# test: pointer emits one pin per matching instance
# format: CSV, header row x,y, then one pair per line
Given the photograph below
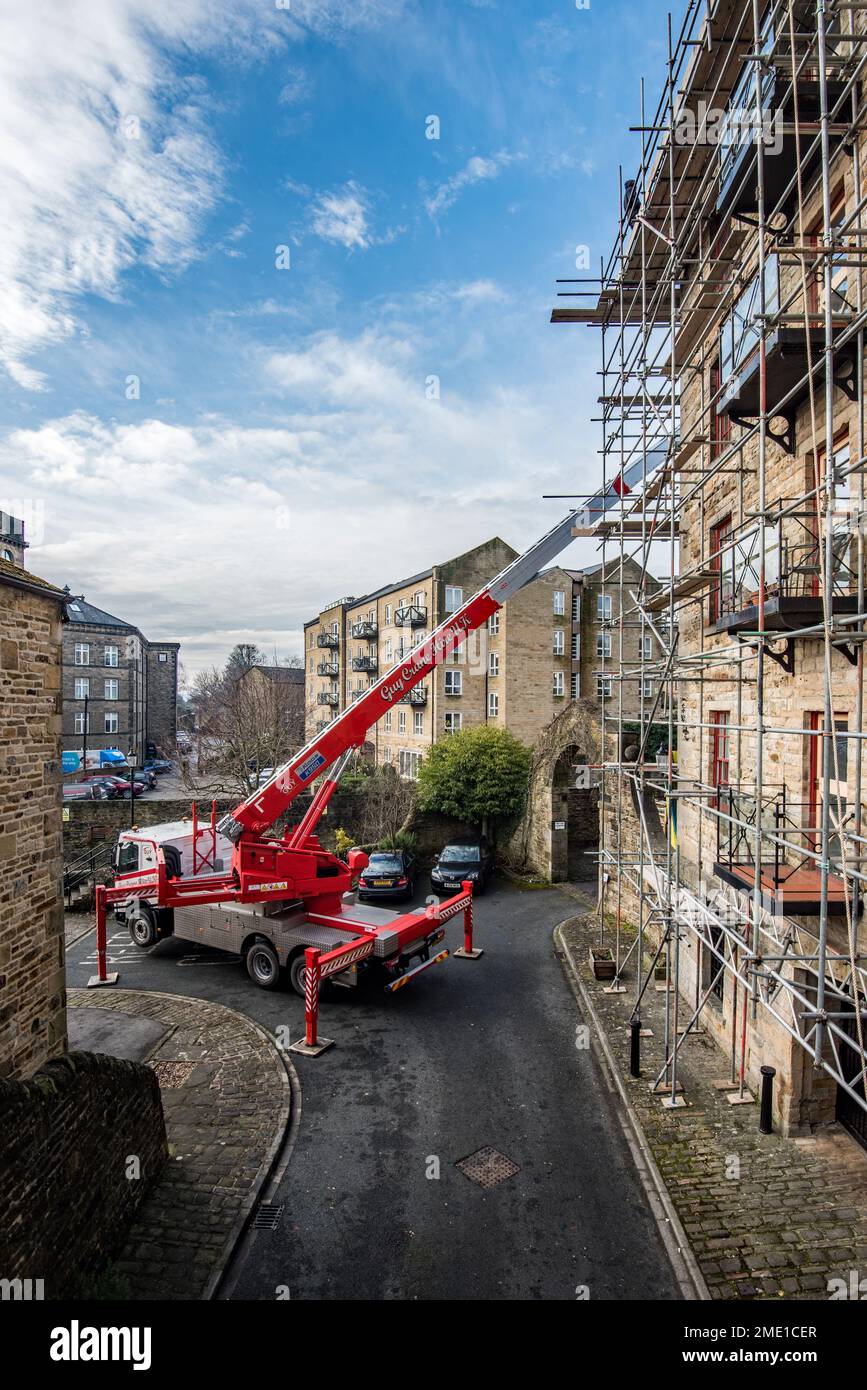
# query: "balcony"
x,y
328,668
328,697
790,880
365,663
792,342
413,615
414,697
322,725
364,629
793,554
738,168
328,639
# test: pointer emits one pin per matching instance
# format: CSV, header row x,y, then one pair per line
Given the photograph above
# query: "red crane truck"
x,y
287,902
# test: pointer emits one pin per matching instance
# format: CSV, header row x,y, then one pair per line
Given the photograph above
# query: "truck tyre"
x,y
142,928
298,972
263,966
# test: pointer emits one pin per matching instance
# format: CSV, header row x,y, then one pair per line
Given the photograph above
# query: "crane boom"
x,y
267,803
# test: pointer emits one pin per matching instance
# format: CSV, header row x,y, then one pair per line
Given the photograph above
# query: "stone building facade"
x,y
33,1016
519,672
122,685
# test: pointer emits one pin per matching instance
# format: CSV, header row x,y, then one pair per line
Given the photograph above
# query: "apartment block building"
x,y
748,312
517,672
119,689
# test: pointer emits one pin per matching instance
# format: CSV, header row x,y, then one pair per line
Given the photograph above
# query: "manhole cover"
x,y
488,1167
267,1216
171,1075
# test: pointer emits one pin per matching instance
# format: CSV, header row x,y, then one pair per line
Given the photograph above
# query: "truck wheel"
x,y
143,930
298,973
263,967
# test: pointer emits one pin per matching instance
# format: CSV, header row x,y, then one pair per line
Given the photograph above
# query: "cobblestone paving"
x,y
224,1120
795,1217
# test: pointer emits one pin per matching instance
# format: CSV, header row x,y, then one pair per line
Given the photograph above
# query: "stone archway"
x,y
561,822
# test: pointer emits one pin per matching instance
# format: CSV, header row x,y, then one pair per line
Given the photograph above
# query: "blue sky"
x,y
212,446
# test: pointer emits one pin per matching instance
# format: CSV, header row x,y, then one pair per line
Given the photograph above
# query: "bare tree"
x,y
246,721
387,807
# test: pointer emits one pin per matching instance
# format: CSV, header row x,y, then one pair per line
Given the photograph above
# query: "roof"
x,y
19,578
81,612
286,675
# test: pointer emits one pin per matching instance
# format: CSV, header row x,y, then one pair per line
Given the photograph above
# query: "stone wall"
x,y
81,1144
561,822
162,695
33,1012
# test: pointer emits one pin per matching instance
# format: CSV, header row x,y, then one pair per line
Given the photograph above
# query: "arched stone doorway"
x,y
560,830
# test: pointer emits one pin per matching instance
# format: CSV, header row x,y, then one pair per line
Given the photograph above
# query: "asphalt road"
x,y
472,1054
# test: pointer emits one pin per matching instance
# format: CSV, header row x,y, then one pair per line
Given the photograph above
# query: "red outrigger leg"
x,y
102,977
466,951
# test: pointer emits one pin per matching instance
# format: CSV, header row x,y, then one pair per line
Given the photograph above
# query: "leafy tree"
x,y
479,775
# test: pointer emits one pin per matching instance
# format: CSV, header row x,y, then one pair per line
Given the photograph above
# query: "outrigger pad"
x,y
311,1050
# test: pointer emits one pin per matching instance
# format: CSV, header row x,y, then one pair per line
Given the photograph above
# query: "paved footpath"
x,y
794,1218
226,1097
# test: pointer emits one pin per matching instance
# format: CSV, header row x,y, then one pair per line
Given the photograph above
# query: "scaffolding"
x,y
731,312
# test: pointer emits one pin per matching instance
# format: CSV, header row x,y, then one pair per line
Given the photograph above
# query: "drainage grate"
x,y
488,1167
171,1075
267,1216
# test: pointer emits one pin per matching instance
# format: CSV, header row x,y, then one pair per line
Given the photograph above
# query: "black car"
x,y
462,860
390,874
148,779
157,765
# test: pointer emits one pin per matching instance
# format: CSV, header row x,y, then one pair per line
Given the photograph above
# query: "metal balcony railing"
x,y
794,552
415,697
328,668
412,615
328,697
328,639
364,628
364,663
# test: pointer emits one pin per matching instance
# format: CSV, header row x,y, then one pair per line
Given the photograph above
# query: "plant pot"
x,y
602,962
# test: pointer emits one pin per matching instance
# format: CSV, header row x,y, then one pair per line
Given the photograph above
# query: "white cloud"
x,y
342,217
476,170
195,531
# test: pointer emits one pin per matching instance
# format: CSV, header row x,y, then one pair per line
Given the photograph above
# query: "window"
x,y
575,686
493,705
603,644
418,721
494,624
646,645
401,721
719,750
386,754
110,690
82,654
720,425
454,598
388,618
386,723
162,656
79,723
559,641
388,650
839,268
454,720
111,722
721,563
453,682
408,764
559,603
603,687
576,646
82,687
493,663
647,688
109,656
576,606
603,608
559,684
